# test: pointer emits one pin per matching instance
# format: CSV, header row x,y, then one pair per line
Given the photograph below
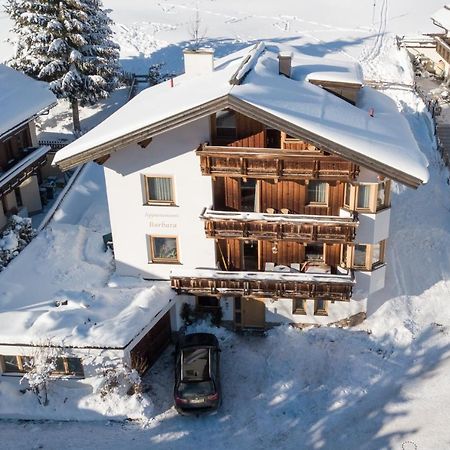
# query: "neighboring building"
x,y
259,182
22,160
441,18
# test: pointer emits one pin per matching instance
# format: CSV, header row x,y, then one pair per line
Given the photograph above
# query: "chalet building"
x,y
258,183
23,162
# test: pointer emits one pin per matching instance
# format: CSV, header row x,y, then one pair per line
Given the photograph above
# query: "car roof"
x,y
198,340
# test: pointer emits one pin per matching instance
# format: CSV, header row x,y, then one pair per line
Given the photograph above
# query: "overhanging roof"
x,y
383,143
21,98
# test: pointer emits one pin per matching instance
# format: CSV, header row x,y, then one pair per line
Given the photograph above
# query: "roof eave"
x,y
252,111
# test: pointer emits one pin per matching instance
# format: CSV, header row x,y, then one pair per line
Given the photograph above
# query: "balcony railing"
x,y
273,227
263,284
273,163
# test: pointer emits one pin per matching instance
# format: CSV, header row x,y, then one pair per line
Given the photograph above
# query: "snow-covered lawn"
x,y
382,386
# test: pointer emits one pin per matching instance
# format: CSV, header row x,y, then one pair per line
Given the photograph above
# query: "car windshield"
x,y
195,364
199,388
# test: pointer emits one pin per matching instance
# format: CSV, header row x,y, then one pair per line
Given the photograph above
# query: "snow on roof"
x,y
67,263
442,17
385,138
21,98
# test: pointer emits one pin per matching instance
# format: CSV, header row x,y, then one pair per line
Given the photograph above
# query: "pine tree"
x,y
68,44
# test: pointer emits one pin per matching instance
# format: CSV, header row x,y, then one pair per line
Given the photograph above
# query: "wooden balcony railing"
x,y
273,227
273,163
263,284
443,47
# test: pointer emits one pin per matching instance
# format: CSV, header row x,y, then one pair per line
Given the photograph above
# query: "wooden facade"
x,y
14,147
264,213
337,290
232,254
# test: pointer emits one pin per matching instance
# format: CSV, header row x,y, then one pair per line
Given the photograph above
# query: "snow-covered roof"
x,y
383,142
96,309
442,17
21,98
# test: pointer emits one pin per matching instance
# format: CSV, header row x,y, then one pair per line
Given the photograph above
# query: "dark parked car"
x,y
197,377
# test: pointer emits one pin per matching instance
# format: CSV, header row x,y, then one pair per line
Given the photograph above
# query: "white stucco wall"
x,y
280,311
373,228
172,154
29,191
368,282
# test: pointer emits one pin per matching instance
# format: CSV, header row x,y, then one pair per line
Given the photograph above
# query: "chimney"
x,y
285,63
198,62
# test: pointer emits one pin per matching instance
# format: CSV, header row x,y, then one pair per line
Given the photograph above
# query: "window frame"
x,y
387,195
230,136
155,202
320,311
368,264
206,309
20,364
327,194
299,310
156,260
21,359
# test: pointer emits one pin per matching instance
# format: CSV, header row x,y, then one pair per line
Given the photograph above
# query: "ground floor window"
x,y
13,363
299,306
320,307
164,249
69,366
207,304
21,364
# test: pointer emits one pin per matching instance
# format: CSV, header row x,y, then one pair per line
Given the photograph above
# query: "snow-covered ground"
x,y
382,386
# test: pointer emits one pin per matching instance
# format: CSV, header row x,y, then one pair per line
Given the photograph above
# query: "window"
x,y
299,306
317,192
22,364
314,252
248,195
69,366
348,196
377,254
383,195
12,364
363,198
207,304
159,190
368,256
226,124
359,257
164,249
320,307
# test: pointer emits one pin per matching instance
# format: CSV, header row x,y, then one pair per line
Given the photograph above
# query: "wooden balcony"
x,y
275,227
274,164
263,284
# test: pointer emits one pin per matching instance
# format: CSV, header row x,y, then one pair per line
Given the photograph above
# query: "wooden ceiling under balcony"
x,y
274,164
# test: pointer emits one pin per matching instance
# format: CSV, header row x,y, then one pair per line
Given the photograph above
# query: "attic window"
x,y
226,124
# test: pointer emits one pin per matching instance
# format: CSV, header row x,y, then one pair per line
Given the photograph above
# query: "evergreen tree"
x,y
68,44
